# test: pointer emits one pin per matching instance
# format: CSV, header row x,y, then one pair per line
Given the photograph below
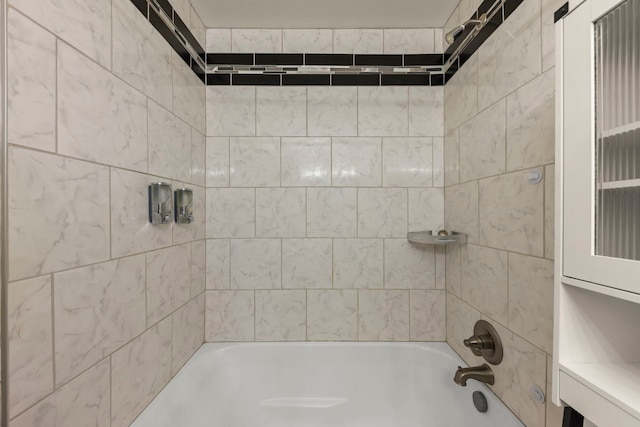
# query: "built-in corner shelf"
x,y
429,238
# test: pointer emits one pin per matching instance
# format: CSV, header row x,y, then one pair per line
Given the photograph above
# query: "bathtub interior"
x,y
322,384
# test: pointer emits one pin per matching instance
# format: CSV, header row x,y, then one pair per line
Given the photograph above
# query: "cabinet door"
x,y
601,143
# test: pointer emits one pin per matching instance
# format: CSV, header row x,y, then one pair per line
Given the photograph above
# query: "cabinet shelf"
x,y
614,185
617,382
621,129
428,238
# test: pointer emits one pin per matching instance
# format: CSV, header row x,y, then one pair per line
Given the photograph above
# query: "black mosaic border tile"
x,y
180,34
174,36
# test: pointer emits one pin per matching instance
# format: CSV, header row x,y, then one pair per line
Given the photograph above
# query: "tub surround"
x,y
499,124
99,299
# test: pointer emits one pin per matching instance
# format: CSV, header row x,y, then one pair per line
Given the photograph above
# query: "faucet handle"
x,y
479,342
485,342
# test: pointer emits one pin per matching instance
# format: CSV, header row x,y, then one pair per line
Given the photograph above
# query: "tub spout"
x,y
482,373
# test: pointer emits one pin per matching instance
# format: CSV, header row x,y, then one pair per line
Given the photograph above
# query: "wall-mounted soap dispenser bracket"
x,y
439,237
183,201
160,203
485,342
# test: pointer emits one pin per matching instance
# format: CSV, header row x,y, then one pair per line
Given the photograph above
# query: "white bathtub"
x,y
322,385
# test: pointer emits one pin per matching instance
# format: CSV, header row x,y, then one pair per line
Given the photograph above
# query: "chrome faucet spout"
x,y
482,373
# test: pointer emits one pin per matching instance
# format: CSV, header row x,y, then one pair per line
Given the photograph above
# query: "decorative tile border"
x,y
164,19
308,69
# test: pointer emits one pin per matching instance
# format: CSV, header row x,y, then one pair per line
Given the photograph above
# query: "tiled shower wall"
x,y
310,194
499,125
103,307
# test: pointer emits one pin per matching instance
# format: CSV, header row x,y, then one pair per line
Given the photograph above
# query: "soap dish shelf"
x,y
428,238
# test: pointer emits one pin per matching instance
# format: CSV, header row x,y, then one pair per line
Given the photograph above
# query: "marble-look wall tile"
x,y
331,212
531,123
512,214
256,264
409,40
139,371
549,210
332,315
189,96
218,40
426,111
198,267
453,269
452,158
75,229
307,263
461,209
281,212
188,332
97,309
461,95
307,41
256,40
523,366
169,144
366,41
484,281
255,162
281,315
281,111
83,401
197,28
482,143
460,320
426,209
141,56
31,76
408,266
531,299
383,315
438,161
112,127
86,26
427,316
217,159
358,263
30,342
504,67
332,111
229,316
382,212
131,231
441,267
549,33
196,230
383,111
198,158
356,162
408,162
438,38
231,111
168,281
183,10
218,256
306,162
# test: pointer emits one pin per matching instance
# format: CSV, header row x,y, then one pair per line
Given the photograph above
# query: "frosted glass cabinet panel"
x,y
617,102
600,80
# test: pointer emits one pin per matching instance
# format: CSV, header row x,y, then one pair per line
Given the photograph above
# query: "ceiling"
x,y
324,13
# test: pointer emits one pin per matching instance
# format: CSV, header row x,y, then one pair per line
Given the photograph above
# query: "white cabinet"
x,y
597,308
